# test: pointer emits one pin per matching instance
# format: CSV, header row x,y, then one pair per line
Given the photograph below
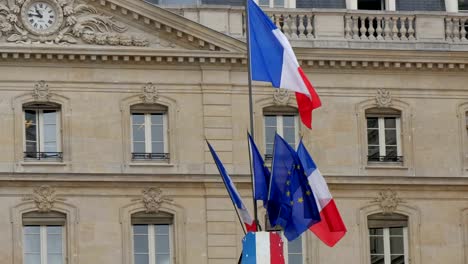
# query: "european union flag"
x,y
291,203
261,174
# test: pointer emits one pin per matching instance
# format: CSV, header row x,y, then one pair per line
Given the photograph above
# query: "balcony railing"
x,y
456,28
149,156
43,155
380,27
375,158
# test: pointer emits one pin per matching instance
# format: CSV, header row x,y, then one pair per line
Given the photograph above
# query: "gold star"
x,y
289,173
292,203
300,200
298,167
288,193
288,182
308,193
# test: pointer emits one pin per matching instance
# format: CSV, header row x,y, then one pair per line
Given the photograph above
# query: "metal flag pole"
x,y
247,29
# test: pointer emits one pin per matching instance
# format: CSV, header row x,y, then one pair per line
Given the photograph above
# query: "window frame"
x,y
462,10
387,250
382,142
151,243
280,127
43,243
148,136
40,126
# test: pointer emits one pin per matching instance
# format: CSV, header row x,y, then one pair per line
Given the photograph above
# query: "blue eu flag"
x,y
291,203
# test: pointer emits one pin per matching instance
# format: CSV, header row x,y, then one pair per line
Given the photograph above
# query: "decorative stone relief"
x,y
383,98
281,96
152,199
44,197
75,20
150,94
388,201
41,91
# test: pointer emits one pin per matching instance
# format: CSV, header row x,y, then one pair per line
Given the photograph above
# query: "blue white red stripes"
x,y
272,59
262,248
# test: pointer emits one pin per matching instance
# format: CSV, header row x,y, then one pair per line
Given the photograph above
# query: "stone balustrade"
x,y
347,28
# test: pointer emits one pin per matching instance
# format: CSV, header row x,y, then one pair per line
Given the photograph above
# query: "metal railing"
x,y
43,155
149,156
376,158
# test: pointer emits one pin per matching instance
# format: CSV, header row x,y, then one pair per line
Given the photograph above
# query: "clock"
x,y
41,17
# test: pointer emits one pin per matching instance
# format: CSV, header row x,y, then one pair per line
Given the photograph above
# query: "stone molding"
x,y
178,227
41,91
150,93
45,198
388,201
153,198
71,225
383,98
281,96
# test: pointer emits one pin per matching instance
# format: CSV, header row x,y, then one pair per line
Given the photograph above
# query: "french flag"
x,y
331,228
262,248
272,59
233,193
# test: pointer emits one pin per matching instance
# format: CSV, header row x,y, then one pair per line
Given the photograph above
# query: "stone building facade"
x,y
105,107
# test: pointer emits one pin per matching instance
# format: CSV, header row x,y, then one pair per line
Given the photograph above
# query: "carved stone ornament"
x,y
281,97
76,20
388,201
44,197
152,199
41,91
383,98
150,94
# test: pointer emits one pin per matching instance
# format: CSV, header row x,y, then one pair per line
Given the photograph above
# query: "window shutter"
x,y
279,110
383,221
50,218
160,218
148,108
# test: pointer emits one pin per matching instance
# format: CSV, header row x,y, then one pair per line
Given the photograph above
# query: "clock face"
x,y
41,16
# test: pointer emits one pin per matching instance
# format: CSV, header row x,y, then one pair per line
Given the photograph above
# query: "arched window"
x,y
388,238
42,131
149,135
44,238
283,120
152,238
384,135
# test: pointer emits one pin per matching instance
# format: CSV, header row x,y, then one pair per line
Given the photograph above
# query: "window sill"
x,y
150,164
387,166
42,163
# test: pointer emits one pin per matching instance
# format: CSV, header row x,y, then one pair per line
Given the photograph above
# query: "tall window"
x,y
281,120
44,238
149,133
384,135
388,239
152,238
42,137
463,5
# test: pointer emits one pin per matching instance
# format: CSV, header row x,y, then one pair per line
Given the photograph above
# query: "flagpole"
x,y
247,29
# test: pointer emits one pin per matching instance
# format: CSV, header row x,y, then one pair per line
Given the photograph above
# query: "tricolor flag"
x,y
331,228
231,188
262,248
260,173
272,59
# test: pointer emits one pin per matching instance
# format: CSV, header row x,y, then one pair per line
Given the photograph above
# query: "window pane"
x,y
162,259
31,134
31,147
373,137
289,121
141,259
390,137
295,246
139,133
32,259
140,229
156,119
390,122
157,147
373,152
54,259
54,244
50,147
162,229
140,243
398,259
376,231
50,117
270,121
391,151
372,122
162,243
31,229
50,133
396,231
139,147
377,259
264,2
295,259
157,133
32,243
289,134
376,245
396,245
138,119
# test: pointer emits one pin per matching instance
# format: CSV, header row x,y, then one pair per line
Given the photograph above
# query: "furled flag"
x,y
291,203
262,248
260,172
236,199
331,229
272,59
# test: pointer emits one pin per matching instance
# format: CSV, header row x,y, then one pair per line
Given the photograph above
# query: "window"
x,y
383,135
463,5
371,5
388,239
42,132
281,120
149,133
43,238
276,3
152,238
